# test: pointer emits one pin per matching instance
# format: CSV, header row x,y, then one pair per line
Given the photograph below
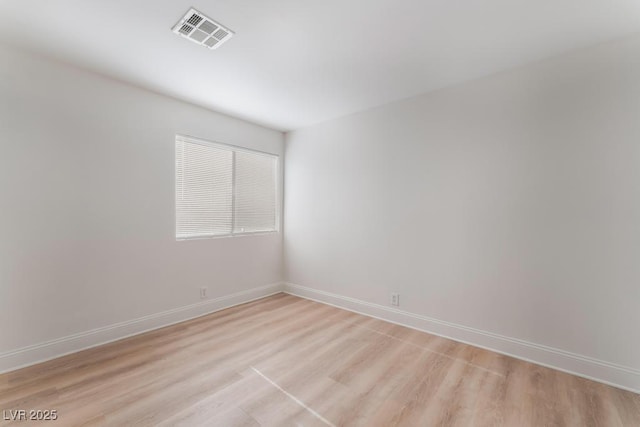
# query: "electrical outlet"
x,y
203,292
395,299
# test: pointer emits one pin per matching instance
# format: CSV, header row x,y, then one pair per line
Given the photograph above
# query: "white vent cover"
x,y
202,30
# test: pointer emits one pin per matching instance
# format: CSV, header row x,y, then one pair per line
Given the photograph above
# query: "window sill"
x,y
226,236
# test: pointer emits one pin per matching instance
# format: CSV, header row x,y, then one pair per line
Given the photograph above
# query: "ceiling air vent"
x,y
202,30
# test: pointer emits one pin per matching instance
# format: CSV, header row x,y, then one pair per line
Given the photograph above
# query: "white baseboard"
x,y
37,353
608,373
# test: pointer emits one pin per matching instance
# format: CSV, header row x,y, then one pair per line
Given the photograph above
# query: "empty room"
x,y
320,213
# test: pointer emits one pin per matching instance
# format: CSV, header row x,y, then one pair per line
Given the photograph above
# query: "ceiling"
x,y
294,63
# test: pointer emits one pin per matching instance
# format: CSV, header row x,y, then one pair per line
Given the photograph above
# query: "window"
x,y
223,190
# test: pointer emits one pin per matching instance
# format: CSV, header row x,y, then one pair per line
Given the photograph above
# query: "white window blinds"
x,y
223,190
255,193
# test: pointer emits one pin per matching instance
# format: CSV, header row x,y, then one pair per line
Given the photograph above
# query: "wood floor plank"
x,y
283,360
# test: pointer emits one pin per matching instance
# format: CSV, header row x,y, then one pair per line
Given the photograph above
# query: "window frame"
x,y
233,149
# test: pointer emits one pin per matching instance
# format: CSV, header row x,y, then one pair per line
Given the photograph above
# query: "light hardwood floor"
x,y
284,361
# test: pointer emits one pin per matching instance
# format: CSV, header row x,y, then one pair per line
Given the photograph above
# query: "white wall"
x,y
87,211
510,204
